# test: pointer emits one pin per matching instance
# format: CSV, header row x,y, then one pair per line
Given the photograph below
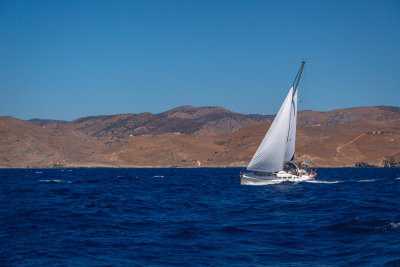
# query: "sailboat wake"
x,y
244,181
255,181
248,180
323,182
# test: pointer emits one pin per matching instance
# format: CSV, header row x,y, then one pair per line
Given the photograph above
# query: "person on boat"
x,y
286,167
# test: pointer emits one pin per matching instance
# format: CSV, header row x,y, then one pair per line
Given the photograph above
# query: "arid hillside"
x,y
192,137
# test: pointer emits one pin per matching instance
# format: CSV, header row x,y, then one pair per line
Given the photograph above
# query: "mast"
x,y
291,135
297,80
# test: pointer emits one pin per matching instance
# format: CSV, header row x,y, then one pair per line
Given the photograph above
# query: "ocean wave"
x,y
366,181
352,226
394,225
391,226
233,229
158,176
127,177
191,214
54,181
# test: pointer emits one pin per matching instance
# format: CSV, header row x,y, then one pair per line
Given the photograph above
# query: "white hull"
x,y
274,178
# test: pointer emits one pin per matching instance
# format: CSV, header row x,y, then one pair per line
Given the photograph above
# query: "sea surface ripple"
x,y
197,217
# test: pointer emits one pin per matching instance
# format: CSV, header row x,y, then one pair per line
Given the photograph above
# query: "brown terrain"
x,y
193,137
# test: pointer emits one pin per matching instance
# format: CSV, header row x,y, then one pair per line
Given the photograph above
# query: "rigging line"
x,y
297,75
298,79
303,97
305,90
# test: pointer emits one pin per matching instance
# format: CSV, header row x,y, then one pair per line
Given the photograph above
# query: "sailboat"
x,y
273,160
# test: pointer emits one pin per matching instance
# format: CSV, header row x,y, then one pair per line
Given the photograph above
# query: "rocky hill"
x,y
208,136
341,116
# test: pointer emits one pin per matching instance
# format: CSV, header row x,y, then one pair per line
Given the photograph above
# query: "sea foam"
x,y
54,181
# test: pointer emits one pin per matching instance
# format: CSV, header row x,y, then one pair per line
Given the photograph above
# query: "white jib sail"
x,y
270,155
291,141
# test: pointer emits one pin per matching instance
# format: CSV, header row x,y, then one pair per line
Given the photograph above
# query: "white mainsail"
x,y
291,141
278,144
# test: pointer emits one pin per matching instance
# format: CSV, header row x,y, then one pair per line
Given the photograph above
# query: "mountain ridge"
x,y
187,136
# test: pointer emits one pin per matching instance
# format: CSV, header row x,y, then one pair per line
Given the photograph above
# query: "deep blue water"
x,y
191,217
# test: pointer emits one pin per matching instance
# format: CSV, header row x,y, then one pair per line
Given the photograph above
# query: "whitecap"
x,y
391,226
158,176
54,181
398,178
394,225
366,181
38,172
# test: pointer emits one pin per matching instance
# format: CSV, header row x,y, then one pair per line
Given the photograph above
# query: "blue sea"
x,y
197,217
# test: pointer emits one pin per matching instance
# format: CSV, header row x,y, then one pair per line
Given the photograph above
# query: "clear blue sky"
x,y
69,59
